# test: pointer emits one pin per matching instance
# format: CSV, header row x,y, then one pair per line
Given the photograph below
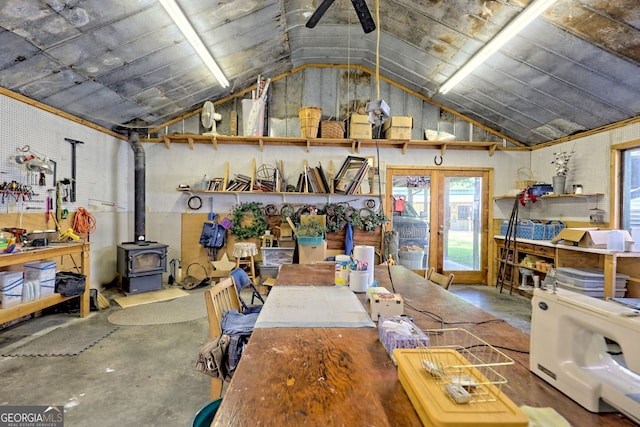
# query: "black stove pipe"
x,y
139,190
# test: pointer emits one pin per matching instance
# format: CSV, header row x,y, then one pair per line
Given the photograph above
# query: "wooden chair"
x,y
220,298
439,279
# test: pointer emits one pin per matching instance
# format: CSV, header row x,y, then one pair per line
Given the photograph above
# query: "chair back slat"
x,y
220,298
439,279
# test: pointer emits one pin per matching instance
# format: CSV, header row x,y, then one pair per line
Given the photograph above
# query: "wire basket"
x,y
309,121
332,129
468,369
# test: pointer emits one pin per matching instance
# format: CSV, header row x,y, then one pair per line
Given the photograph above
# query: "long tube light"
x,y
192,37
534,10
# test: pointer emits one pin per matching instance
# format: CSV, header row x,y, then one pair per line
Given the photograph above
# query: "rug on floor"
x,y
185,309
150,297
63,341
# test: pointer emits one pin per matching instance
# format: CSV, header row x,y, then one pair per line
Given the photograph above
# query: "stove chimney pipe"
x,y
139,190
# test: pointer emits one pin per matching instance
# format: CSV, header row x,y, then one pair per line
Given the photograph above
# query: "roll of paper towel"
x,y
365,254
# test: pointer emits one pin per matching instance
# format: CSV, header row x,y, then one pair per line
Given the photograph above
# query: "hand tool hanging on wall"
x,y
73,142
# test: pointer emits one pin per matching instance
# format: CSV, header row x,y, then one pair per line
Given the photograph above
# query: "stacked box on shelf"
x,y
531,229
359,126
504,227
10,288
398,127
44,272
552,228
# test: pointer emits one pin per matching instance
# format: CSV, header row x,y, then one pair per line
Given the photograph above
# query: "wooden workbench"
x,y
343,376
79,254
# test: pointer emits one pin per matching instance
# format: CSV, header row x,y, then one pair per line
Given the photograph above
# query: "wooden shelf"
x,y
353,145
554,196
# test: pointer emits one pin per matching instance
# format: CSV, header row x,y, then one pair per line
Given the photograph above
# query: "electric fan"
x,y
208,117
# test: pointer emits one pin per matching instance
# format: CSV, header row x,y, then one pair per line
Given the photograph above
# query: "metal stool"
x,y
244,253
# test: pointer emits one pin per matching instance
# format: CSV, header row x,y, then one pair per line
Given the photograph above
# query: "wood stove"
x,y
141,266
140,263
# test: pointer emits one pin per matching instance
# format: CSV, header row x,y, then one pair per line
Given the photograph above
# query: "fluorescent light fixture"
x,y
192,37
534,10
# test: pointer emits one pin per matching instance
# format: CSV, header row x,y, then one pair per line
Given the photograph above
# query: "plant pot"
x,y
559,184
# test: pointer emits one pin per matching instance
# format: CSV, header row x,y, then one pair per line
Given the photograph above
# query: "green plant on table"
x,y
311,229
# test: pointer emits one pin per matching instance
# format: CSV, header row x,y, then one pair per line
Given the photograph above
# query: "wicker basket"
x,y
309,121
332,129
521,184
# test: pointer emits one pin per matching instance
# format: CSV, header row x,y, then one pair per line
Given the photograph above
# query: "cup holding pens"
x,y
359,280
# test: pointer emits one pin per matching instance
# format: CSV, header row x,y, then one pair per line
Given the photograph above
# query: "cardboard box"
x,y
586,237
359,126
308,254
386,305
398,127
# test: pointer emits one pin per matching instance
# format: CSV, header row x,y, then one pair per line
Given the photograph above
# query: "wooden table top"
x,y
344,377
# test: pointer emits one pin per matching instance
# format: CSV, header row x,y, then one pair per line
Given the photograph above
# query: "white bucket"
x,y
359,280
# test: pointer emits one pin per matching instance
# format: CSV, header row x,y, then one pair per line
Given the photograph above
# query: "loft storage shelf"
x,y
353,144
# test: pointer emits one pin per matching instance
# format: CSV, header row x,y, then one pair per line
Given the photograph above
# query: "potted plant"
x,y
561,163
310,233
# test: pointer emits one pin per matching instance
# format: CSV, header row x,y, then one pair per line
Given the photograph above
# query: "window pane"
x,y
630,188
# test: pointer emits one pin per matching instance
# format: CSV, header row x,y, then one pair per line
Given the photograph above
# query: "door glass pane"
x,y
630,189
411,197
462,226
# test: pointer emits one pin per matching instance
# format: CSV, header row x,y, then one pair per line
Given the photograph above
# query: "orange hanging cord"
x,y
83,222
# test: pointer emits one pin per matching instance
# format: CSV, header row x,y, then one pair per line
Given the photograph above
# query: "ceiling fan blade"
x,y
320,10
366,20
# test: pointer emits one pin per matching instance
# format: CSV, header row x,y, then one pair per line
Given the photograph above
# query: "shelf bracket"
x,y
443,149
355,146
261,144
405,145
167,142
492,149
190,140
214,142
308,146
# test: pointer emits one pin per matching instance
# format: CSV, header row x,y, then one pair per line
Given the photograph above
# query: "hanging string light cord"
x,y
378,48
83,222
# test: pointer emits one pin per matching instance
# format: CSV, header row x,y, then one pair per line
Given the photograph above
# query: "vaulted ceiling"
x,y
116,62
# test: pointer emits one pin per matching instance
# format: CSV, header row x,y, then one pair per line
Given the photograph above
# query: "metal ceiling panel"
x,y
577,67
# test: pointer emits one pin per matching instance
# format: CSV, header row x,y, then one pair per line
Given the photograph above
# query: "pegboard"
x,y
26,131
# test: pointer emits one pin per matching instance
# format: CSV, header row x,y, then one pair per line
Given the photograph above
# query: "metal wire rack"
x,y
468,369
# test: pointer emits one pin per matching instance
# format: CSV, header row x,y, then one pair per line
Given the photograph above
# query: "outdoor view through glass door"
x,y
441,217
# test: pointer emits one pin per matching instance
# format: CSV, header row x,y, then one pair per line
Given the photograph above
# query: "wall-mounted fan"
x,y
208,117
361,10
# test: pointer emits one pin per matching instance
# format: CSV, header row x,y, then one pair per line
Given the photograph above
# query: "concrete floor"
x,y
144,375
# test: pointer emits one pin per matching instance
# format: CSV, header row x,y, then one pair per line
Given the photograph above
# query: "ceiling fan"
x,y
366,20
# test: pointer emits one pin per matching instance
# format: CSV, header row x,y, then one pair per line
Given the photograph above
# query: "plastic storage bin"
x,y
44,272
10,288
587,277
276,256
530,229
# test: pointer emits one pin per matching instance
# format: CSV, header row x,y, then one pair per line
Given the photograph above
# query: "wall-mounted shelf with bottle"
x,y
354,145
554,196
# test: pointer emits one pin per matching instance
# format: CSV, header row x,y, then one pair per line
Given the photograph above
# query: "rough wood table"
x,y
343,376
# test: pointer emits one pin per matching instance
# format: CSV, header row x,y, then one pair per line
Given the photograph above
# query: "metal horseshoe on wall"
x,y
437,160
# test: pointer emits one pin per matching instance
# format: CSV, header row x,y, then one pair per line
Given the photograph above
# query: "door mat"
x,y
149,297
63,341
191,307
